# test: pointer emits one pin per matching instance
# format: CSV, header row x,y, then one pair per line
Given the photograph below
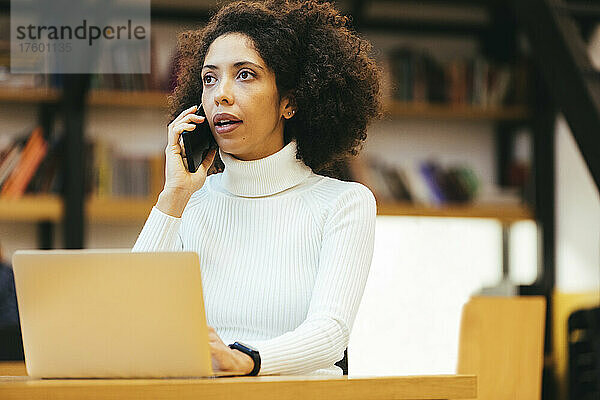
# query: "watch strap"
x,y
253,353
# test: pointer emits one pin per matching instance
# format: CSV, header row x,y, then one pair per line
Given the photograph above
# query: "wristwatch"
x,y
252,352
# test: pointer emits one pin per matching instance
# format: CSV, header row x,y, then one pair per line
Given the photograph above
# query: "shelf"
x,y
395,109
33,208
49,208
148,99
502,212
119,209
28,95
151,99
158,99
398,109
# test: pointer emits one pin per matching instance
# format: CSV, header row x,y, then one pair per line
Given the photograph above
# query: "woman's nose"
x,y
224,92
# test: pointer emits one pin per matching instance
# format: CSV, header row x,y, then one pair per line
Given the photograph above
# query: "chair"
x,y
343,363
502,342
584,354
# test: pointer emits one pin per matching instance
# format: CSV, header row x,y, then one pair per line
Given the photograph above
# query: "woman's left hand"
x,y
225,359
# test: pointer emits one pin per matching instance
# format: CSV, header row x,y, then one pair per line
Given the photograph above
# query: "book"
x,y
102,176
416,76
9,162
455,189
30,169
24,154
33,153
433,177
378,183
114,172
418,187
426,183
395,182
48,173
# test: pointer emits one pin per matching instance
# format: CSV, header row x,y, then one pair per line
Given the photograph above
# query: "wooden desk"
x,y
245,388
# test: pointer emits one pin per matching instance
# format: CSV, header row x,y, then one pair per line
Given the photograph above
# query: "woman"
x,y
284,250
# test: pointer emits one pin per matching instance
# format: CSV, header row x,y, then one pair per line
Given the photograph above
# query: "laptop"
x,y
112,314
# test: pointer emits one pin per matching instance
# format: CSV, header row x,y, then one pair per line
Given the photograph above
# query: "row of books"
x,y
112,173
109,81
427,183
418,77
131,82
19,162
33,164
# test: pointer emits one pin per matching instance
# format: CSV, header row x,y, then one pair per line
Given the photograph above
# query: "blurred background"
x,y
485,169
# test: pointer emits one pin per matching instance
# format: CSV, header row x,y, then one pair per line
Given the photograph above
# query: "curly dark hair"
x,y
317,58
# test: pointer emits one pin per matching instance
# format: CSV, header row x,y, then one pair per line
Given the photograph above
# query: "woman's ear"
x,y
288,106
289,114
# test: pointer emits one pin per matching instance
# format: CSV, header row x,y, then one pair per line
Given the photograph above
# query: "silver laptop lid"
x,y
111,313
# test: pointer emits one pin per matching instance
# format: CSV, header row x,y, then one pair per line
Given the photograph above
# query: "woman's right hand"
x,y
179,182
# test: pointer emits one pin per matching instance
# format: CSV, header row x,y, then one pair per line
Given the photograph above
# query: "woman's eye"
x,y
246,73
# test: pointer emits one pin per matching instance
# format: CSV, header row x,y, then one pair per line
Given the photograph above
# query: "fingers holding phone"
x,y
197,143
177,171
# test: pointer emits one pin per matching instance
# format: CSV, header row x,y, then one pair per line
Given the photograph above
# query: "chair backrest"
x,y
584,354
502,342
343,363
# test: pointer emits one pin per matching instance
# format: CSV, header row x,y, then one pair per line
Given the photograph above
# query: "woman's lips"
x,y
227,128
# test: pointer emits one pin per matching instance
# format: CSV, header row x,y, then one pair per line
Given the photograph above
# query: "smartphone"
x,y
198,142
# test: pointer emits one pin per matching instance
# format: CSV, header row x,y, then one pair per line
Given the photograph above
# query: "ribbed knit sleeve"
x,y
160,233
344,263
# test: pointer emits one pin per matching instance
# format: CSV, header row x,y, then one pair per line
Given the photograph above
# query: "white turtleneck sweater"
x,y
284,256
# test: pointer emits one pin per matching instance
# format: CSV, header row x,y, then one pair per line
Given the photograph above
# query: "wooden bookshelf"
x,y
28,95
35,208
158,99
393,108
31,209
127,210
152,99
119,209
134,99
398,109
49,208
502,212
